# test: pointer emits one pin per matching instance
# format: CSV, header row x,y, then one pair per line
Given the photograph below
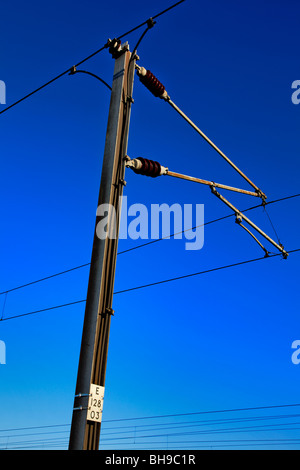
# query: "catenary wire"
x,y
210,422
92,75
145,244
272,225
209,443
206,444
61,441
194,413
56,441
86,59
205,412
188,424
153,426
44,309
45,278
185,276
208,223
240,263
270,427
256,428
176,415
187,446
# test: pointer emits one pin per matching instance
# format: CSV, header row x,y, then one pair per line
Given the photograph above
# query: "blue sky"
x,y
216,341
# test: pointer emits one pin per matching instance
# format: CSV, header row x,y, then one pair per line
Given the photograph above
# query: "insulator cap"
x,y
148,168
115,47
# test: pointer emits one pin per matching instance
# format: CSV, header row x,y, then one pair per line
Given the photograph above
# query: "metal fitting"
x,y
115,48
238,218
73,70
150,23
109,311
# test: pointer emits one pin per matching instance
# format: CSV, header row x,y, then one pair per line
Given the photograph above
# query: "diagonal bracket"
x,y
242,216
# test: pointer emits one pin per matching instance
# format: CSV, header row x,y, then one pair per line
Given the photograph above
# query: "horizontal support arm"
x,y
210,183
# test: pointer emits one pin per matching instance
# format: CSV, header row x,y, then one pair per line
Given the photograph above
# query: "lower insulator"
x,y
149,168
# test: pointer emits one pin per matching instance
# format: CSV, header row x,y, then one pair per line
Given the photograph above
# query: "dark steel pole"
x,y
85,434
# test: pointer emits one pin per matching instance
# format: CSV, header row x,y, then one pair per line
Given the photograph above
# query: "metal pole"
x,y
85,433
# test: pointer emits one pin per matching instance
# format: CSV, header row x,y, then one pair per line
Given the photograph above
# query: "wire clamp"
x,y
213,190
284,253
115,47
109,311
262,196
80,408
150,23
238,218
73,70
82,395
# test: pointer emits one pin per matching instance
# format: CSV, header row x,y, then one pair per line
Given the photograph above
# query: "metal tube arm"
x,y
158,90
210,183
238,220
189,121
246,219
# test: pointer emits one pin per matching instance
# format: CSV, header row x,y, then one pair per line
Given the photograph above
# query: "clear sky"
x,y
216,341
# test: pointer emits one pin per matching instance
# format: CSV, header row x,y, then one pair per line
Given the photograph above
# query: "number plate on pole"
x,y
95,403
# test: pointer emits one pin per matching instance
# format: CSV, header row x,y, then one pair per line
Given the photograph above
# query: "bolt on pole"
x,y
85,431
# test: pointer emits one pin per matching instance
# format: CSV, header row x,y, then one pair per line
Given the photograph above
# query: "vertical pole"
x,y
85,434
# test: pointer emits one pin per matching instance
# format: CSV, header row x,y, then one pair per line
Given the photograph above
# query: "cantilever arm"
x,y
158,90
138,164
210,183
189,121
242,216
238,220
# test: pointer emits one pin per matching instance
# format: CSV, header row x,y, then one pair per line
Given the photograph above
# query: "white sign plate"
x,y
95,403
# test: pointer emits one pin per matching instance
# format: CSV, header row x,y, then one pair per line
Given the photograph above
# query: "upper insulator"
x,y
153,85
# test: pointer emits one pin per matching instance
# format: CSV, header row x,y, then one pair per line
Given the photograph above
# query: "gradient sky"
x,y
217,341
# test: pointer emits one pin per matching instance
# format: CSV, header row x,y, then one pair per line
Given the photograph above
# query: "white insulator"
x,y
163,170
141,71
136,164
